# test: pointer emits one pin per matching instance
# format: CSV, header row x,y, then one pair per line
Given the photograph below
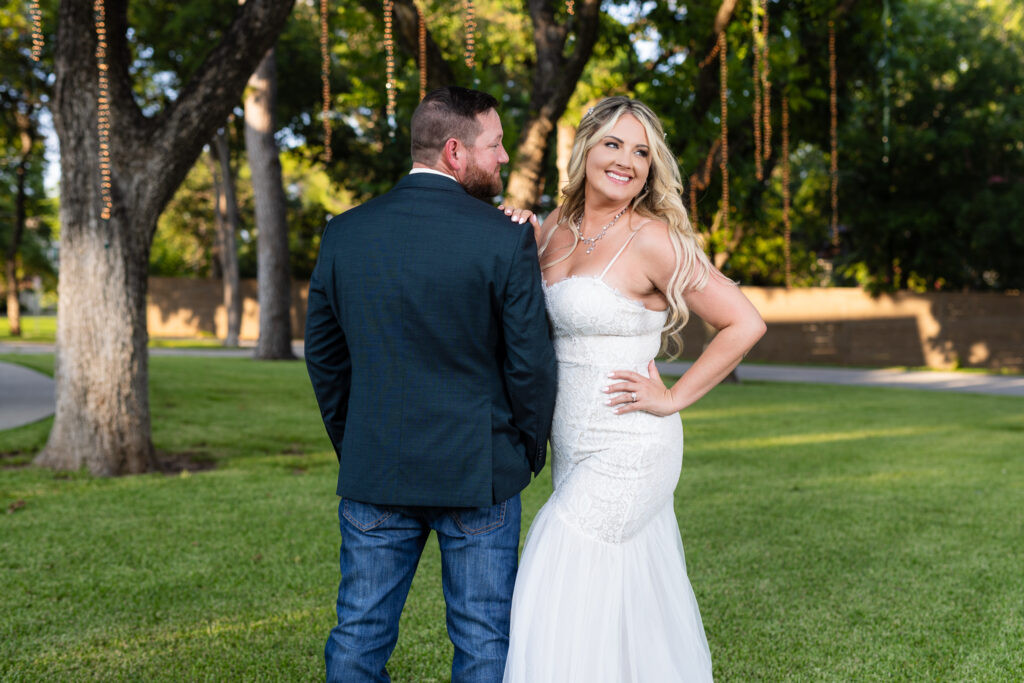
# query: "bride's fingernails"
x,y
606,389
608,402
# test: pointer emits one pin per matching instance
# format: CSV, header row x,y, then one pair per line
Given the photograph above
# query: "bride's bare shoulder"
x,y
544,230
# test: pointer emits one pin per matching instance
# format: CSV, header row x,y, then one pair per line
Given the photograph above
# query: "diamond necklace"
x,y
591,242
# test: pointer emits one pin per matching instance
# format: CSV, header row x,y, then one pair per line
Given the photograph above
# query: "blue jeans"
x,y
380,549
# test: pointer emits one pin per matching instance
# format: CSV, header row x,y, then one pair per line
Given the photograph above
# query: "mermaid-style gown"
x,y
602,593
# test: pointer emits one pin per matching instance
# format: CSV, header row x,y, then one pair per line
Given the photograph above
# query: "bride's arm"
x,y
722,305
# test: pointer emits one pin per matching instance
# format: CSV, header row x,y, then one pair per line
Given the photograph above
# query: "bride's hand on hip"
x,y
636,392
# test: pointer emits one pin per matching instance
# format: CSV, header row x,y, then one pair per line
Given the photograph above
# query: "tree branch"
x,y
439,71
212,92
124,110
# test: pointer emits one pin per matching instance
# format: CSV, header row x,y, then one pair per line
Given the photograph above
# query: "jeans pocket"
x,y
476,521
363,516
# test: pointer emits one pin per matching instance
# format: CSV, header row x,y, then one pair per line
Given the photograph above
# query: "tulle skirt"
x,y
589,611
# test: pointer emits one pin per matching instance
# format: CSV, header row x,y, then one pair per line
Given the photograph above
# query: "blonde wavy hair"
x,y
660,199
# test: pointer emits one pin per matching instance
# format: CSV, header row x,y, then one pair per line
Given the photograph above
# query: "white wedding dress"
x,y
602,593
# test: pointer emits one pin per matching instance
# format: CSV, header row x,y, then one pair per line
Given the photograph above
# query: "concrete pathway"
x,y
931,380
27,396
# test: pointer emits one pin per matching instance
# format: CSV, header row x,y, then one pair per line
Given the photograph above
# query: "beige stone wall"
x,y
847,326
838,326
188,307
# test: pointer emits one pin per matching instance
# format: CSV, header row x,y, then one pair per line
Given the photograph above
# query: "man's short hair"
x,y
445,113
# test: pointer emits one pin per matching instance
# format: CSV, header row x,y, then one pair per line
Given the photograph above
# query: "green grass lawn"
x,y
832,534
43,329
34,328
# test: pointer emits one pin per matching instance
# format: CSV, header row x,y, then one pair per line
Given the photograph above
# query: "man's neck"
x,y
442,169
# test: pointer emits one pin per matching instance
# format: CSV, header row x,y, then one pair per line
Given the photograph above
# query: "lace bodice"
x,y
597,325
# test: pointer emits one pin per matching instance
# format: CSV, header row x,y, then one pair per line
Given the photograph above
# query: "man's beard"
x,y
480,184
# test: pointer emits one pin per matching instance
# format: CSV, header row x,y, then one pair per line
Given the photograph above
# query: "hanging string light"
x,y
833,132
710,56
693,205
766,84
103,101
756,39
723,70
886,80
470,35
570,6
389,58
787,226
325,80
37,30
701,178
423,51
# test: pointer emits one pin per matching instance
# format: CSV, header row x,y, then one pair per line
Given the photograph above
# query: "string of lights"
x,y
723,70
693,204
103,110
570,6
423,51
766,84
37,30
711,55
325,80
787,224
833,131
470,35
389,57
755,30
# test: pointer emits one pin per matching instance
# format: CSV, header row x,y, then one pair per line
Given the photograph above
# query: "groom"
x,y
428,348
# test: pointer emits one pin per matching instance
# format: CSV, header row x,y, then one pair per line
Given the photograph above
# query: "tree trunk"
x,y
563,148
25,132
102,420
227,228
554,81
275,341
212,165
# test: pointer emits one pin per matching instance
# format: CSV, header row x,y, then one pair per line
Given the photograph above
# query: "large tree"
x,y
22,99
935,153
563,46
226,203
102,418
275,340
27,136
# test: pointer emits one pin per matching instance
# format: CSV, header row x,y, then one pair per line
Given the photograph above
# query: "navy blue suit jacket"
x,y
429,350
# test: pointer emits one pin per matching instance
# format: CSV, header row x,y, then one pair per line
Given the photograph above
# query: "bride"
x,y
602,592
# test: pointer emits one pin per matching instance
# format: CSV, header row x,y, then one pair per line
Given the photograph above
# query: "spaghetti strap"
x,y
621,249
547,240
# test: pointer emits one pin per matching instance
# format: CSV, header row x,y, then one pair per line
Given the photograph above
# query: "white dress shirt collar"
x,y
430,170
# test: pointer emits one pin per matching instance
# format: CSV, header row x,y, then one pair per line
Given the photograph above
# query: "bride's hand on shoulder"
x,y
635,392
520,216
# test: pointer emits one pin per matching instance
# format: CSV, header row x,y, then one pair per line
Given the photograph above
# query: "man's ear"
x,y
454,154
